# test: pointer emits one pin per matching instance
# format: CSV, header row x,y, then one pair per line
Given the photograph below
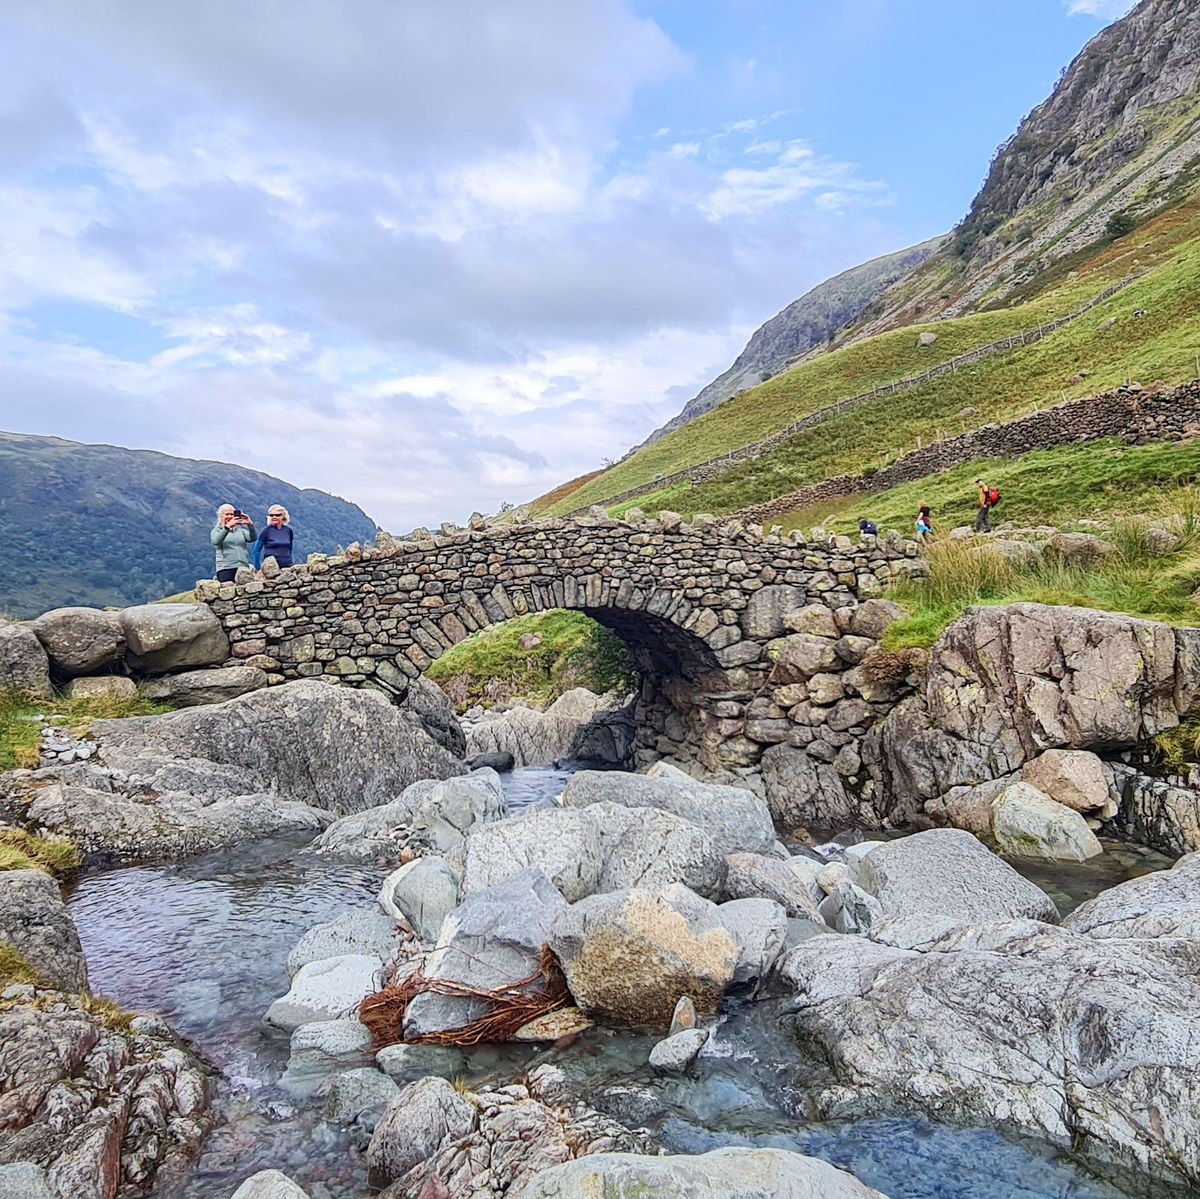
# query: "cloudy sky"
x,y
433,255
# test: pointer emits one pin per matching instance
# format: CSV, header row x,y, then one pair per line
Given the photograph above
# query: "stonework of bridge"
x,y
699,605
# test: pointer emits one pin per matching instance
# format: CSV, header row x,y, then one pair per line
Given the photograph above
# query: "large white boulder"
x,y
565,846
494,938
1028,824
422,893
355,930
336,748
328,989
166,637
736,819
1163,906
80,640
24,665
948,872
598,848
721,1174
269,1184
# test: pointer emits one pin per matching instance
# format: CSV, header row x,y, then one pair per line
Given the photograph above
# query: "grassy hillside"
x,y
1162,344
102,525
1104,480
807,324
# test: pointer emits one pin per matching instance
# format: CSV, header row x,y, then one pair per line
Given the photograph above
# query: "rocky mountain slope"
x,y
98,524
1116,142
805,325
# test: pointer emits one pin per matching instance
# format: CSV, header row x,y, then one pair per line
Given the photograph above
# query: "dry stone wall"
x,y
1139,416
707,610
714,468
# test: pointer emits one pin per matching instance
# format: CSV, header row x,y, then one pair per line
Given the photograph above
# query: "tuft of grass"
x,y
20,732
574,651
15,969
111,1014
20,850
967,573
1179,748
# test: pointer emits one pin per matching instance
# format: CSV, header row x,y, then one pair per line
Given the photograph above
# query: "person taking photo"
x,y
232,537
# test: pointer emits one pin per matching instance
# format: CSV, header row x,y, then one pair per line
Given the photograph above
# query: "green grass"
x,y
491,667
1178,748
1164,344
787,397
1099,480
965,573
20,850
20,732
15,969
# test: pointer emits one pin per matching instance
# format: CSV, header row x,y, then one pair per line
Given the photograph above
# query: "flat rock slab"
x,y
949,872
1086,1041
722,1174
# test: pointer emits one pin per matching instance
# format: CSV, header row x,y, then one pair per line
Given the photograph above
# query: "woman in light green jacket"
x,y
232,536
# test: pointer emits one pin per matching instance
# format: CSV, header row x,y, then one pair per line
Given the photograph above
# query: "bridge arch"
x,y
698,604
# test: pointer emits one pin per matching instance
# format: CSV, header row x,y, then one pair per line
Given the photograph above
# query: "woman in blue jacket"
x,y
275,541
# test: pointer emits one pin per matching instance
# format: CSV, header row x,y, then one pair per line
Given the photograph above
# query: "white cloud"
x,y
424,271
1102,10
797,173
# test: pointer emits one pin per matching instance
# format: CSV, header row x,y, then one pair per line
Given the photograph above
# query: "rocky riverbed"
x,y
205,945
395,974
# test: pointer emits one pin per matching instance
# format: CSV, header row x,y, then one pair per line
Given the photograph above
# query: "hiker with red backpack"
x,y
989,497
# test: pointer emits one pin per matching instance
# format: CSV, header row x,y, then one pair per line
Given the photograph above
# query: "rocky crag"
x,y
1117,141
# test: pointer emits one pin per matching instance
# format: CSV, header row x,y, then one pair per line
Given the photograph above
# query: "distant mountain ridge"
x,y
103,525
804,325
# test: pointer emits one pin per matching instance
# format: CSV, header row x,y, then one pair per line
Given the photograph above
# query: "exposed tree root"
x,y
513,1005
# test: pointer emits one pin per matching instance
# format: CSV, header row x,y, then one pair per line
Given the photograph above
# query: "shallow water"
x,y
205,943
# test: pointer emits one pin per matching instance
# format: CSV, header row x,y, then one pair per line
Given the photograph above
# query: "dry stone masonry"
x,y
1137,415
718,617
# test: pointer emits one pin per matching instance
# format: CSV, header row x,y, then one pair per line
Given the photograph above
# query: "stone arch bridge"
x,y
699,604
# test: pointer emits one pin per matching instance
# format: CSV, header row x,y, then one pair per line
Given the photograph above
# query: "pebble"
x,y
684,1016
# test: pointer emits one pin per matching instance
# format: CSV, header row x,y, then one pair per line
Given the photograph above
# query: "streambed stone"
x,y
721,1174
329,989
948,872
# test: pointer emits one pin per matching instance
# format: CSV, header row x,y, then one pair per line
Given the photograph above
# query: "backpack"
x,y
993,498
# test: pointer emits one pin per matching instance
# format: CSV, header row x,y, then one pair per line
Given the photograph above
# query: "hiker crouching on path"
x,y
232,537
989,497
275,541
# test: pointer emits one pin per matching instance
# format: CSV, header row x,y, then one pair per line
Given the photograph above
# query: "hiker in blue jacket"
x,y
275,541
